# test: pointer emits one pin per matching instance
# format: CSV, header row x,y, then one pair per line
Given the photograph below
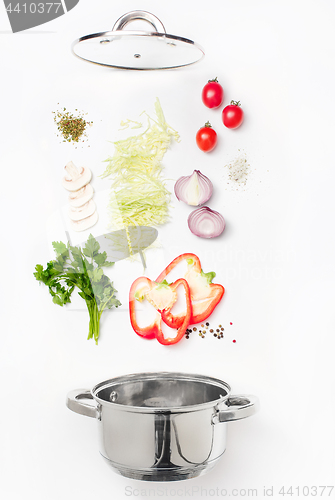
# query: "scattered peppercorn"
x,y
218,332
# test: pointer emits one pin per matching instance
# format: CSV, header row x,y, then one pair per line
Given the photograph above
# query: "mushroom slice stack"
x,y
82,212
80,197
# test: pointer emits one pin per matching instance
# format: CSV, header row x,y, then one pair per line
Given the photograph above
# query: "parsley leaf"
x,y
91,248
60,248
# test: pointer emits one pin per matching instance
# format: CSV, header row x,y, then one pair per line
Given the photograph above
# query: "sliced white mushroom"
x,y
82,225
82,196
79,213
76,178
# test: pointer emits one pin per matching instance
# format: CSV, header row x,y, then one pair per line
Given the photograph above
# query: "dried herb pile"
x,y
72,128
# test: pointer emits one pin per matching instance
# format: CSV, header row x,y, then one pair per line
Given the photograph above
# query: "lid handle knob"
x,y
139,15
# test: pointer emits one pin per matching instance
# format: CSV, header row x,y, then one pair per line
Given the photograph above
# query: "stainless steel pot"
x,y
162,426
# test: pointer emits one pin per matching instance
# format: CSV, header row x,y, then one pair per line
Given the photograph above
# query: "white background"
x,y
275,258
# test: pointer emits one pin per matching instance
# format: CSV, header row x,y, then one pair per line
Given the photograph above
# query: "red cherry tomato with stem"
x,y
232,115
206,138
212,94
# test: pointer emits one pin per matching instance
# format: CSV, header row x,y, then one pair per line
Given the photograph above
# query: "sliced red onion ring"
x,y
206,223
194,189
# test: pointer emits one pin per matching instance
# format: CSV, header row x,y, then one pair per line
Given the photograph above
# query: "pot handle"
x,y
139,15
74,403
238,407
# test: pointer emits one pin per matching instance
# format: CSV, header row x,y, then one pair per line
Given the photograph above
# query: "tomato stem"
x,y
235,103
208,125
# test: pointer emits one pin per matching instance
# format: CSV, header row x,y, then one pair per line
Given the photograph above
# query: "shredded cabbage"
x,y
138,193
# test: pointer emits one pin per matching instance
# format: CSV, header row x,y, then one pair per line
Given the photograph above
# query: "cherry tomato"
x,y
232,115
206,138
212,94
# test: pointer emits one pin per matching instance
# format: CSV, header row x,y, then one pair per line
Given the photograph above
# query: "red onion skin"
x,y
183,181
202,214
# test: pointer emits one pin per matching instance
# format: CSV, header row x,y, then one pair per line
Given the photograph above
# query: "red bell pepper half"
x,y
162,296
205,295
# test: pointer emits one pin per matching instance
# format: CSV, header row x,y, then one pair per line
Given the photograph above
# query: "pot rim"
x,y
162,375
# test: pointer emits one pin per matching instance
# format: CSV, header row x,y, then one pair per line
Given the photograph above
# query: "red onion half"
x,y
194,189
206,223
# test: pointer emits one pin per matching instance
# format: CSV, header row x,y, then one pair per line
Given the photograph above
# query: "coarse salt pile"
x,y
238,170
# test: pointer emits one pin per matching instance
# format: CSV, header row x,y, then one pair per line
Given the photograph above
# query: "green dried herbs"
x,y
70,127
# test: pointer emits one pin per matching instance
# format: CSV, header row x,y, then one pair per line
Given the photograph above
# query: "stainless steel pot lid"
x,y
141,50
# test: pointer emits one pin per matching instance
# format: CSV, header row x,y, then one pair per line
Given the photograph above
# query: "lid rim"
x,y
162,375
128,33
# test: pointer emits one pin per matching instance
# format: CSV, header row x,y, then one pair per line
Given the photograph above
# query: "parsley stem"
x,y
94,325
104,305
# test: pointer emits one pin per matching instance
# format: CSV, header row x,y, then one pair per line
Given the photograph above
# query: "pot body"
x,y
162,426
160,446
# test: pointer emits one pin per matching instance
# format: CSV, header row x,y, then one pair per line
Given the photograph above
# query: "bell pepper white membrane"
x,y
168,332
161,295
199,287
156,298
198,284
145,313
178,307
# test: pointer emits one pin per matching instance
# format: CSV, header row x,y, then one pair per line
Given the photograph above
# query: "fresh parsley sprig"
x,y
81,268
